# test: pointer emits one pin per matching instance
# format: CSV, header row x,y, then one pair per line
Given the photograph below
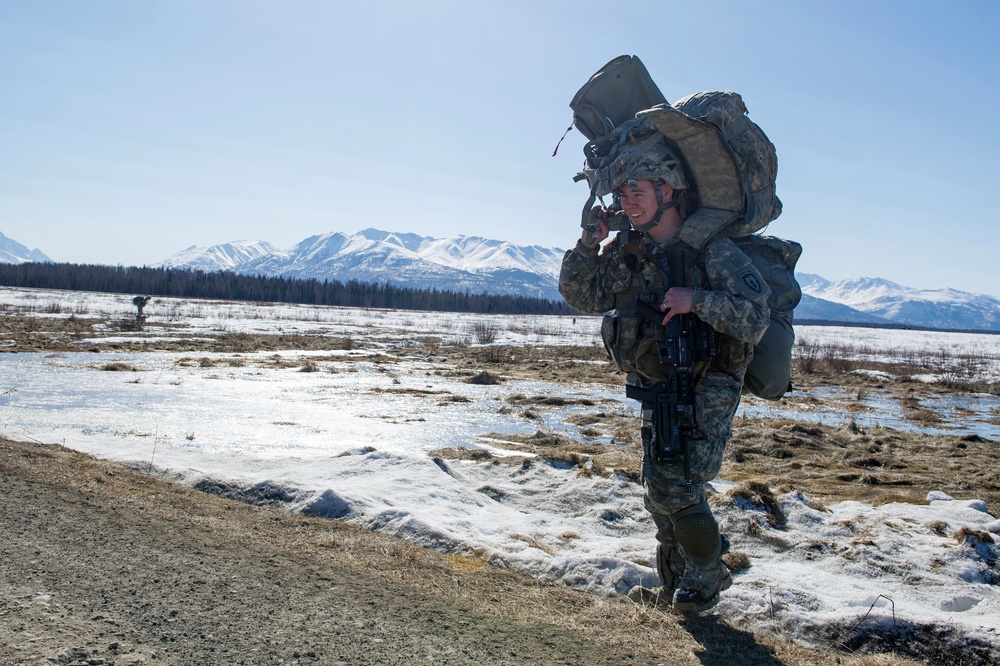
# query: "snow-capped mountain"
x,y
12,252
226,257
817,309
888,301
459,263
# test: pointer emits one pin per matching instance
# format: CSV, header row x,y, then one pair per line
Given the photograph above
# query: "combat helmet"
x,y
636,151
658,164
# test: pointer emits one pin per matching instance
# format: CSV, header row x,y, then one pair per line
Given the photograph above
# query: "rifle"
x,y
684,340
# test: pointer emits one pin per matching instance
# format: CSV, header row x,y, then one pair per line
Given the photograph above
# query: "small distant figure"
x,y
140,302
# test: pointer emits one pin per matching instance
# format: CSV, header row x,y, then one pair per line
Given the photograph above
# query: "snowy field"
x,y
351,441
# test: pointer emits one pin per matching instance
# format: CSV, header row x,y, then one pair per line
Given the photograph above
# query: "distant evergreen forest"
x,y
225,285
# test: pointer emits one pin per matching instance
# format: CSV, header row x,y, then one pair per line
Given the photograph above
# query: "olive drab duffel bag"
x,y
612,96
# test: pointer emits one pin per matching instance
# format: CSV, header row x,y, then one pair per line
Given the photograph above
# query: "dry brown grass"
x,y
826,463
876,465
758,495
118,366
833,364
484,378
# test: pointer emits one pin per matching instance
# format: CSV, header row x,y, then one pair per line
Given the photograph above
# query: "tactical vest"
x,y
638,274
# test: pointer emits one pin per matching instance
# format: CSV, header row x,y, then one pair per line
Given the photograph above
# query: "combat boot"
x,y
697,533
699,587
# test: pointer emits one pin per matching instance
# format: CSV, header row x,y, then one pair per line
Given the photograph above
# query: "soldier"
x,y
643,274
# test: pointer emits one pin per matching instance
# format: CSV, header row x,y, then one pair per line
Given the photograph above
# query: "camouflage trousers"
x,y
666,489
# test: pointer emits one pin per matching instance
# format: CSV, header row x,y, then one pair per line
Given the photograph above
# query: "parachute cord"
x,y
568,130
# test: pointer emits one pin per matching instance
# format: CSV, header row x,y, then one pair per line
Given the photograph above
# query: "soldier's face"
x,y
640,203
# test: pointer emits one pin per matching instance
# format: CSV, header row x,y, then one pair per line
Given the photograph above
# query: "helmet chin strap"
x,y
661,207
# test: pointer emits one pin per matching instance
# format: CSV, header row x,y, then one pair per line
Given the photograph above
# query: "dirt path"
x,y
100,565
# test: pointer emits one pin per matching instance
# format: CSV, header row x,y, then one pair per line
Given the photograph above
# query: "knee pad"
x,y
697,532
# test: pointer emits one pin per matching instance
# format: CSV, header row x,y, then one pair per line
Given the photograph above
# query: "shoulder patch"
x,y
749,278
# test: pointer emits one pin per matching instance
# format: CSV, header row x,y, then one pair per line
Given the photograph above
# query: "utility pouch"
x,y
733,355
620,334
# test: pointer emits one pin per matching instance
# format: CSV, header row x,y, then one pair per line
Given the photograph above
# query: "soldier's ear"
x,y
668,192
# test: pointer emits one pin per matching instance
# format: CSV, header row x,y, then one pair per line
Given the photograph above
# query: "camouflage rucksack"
x,y
769,375
732,166
750,151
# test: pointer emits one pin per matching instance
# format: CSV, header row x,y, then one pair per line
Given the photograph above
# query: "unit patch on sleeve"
x,y
750,279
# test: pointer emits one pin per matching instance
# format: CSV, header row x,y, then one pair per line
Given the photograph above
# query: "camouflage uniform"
x,y
730,296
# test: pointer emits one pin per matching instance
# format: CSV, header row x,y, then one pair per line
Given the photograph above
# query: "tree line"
x,y
226,285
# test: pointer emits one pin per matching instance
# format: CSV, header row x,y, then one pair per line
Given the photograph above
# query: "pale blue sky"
x,y
130,130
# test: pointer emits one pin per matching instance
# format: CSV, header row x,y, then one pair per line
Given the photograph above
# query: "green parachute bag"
x,y
613,95
732,166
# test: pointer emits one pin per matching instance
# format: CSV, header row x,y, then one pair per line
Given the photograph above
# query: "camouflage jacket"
x,y
729,295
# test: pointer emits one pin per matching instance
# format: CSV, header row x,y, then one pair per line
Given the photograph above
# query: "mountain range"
x,y
459,263
480,265
12,252
881,301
